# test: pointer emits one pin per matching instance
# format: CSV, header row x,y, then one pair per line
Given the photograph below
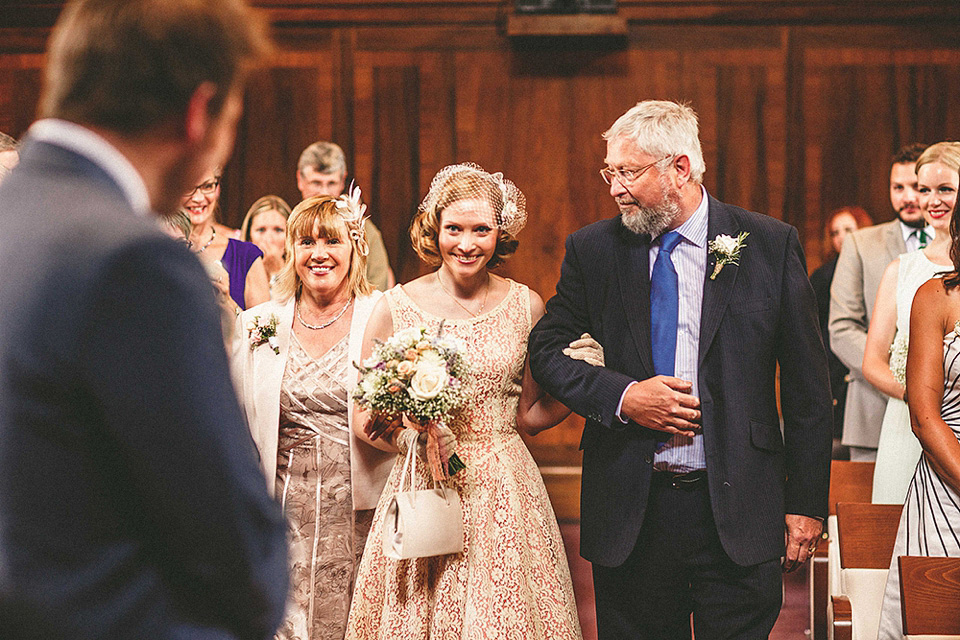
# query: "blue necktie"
x,y
664,307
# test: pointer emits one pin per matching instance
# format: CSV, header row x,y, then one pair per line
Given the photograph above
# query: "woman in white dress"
x,y
885,353
930,522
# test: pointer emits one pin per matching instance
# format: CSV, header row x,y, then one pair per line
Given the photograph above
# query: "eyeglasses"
x,y
206,188
626,176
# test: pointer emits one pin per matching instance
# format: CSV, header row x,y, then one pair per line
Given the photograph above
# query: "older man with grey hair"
x,y
322,170
690,495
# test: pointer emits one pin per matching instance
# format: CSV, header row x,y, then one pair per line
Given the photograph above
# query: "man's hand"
x,y
663,403
802,537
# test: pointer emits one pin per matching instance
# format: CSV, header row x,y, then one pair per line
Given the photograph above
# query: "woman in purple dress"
x,y
242,262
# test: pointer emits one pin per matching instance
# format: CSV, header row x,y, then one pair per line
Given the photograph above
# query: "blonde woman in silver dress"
x,y
295,383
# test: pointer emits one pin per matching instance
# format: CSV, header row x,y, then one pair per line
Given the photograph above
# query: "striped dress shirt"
x,y
681,454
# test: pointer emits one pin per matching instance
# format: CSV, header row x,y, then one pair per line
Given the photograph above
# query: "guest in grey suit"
x,y
863,258
131,501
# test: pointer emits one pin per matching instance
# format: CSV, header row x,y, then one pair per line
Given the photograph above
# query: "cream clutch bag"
x,y
423,523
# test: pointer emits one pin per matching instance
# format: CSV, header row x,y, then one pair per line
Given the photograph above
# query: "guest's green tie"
x,y
922,237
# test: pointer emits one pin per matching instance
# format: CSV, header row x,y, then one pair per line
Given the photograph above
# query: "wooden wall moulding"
x,y
43,13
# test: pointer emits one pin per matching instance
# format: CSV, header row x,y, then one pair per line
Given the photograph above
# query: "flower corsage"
x,y
263,331
726,250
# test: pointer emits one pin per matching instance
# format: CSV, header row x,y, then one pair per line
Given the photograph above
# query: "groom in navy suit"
x,y
694,498
132,506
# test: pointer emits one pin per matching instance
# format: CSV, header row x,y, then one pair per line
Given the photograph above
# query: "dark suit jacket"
x,y
131,500
754,316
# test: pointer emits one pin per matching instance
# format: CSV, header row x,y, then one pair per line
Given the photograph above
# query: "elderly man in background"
x,y
131,500
322,171
9,155
863,258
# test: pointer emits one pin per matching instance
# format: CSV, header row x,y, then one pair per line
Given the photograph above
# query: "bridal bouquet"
x,y
420,376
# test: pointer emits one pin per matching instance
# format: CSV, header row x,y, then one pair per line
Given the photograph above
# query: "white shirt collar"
x,y
908,231
694,229
88,144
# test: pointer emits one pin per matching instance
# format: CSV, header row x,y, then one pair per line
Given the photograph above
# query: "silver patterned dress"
x,y
313,483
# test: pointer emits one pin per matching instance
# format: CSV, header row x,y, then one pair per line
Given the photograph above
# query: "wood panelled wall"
x,y
801,105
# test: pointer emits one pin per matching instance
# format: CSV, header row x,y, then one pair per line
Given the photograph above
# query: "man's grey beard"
x,y
653,220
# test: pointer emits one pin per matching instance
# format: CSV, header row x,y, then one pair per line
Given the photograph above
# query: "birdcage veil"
x,y
468,181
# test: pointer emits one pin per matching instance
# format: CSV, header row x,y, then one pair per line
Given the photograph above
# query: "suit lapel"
x,y
716,293
634,280
895,242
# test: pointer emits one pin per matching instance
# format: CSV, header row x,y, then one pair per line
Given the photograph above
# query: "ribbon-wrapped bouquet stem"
x,y
418,375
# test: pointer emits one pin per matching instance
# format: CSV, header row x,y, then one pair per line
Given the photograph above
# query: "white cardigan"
x,y
258,374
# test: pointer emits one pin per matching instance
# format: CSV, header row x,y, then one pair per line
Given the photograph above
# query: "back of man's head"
x,y
131,65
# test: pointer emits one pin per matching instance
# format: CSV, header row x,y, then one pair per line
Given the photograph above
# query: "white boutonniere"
x,y
726,250
263,331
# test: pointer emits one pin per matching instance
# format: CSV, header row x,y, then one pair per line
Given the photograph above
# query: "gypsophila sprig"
x,y
263,331
898,359
726,250
416,374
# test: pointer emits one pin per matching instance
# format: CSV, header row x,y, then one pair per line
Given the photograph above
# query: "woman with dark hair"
x,y
242,261
841,222
930,521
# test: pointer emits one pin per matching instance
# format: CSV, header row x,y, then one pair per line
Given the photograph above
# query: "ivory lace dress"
x,y
512,580
326,535
930,522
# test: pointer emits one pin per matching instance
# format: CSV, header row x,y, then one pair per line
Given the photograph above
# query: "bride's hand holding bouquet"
x,y
417,376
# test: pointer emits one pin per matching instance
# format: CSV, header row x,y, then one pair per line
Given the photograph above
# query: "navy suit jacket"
x,y
754,316
131,501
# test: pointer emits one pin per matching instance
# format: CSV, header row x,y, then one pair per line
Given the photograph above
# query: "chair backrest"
x,y
867,534
930,595
850,482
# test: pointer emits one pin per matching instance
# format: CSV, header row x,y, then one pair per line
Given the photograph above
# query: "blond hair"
x,y
319,214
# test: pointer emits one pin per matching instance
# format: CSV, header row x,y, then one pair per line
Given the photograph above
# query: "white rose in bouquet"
x,y
428,381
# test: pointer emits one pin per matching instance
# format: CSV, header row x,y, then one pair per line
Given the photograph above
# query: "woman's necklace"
x,y
483,302
317,327
213,235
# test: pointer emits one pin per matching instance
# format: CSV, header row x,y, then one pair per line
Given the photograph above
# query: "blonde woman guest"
x,y
243,262
295,384
265,225
898,449
512,578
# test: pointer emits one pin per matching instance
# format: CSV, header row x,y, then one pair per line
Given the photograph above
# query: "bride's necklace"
x,y
213,236
483,303
317,327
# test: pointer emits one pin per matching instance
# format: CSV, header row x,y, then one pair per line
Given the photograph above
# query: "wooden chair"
x,y
849,482
867,533
930,596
